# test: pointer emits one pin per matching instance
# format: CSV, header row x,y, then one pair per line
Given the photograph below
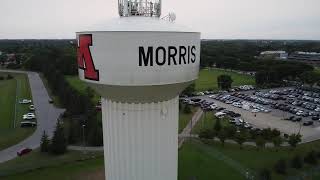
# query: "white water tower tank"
x,y
139,64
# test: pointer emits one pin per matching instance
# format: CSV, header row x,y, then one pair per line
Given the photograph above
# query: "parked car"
x,y
28,124
31,108
25,101
24,151
28,116
308,123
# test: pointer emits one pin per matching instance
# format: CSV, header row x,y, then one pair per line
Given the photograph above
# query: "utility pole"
x,y
84,139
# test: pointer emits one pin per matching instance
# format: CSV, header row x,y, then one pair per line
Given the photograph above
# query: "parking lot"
x,y
290,110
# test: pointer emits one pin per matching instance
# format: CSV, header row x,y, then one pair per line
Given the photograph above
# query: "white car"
x,y
29,116
255,110
25,101
31,107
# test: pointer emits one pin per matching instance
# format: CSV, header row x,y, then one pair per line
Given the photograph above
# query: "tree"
x,y
297,162
240,138
217,126
206,134
90,92
310,77
281,166
264,174
311,158
9,77
277,141
45,143
187,109
224,82
222,135
189,90
230,131
260,142
294,139
59,142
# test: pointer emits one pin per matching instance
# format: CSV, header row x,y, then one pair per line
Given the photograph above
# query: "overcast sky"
x,y
215,19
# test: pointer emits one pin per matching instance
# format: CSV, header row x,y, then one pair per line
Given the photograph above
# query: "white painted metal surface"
x,y
139,65
140,140
116,55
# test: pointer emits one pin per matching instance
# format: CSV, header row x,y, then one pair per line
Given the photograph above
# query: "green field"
x,y
207,121
208,79
11,91
38,165
196,159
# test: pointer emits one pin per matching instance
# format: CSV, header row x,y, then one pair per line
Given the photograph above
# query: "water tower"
x,y
139,63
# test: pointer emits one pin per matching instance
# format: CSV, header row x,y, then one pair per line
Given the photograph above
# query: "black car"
x,y
308,123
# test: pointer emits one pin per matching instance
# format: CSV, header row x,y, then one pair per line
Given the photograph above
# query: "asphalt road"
x,y
46,113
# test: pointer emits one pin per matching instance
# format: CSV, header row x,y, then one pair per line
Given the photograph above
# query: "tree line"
x,y
54,63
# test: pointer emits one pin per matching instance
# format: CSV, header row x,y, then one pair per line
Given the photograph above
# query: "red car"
x,y
24,151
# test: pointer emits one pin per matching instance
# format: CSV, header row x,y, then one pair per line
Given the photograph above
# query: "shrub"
x,y
59,142
277,141
294,139
264,174
222,135
297,162
44,144
311,158
217,126
1,78
240,138
230,131
280,167
187,109
260,142
206,134
9,77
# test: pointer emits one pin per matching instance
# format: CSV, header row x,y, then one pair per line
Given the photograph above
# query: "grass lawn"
x,y
11,111
208,79
184,118
203,161
39,165
196,161
7,103
207,121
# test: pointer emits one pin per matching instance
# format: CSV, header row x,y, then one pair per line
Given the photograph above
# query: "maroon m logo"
x,y
85,60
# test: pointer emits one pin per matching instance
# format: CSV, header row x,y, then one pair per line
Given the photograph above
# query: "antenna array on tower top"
x,y
148,8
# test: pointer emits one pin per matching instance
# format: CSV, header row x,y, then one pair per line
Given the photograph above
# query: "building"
x,y
312,58
273,55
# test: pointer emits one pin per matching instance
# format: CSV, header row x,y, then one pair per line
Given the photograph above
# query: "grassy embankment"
x,y
11,91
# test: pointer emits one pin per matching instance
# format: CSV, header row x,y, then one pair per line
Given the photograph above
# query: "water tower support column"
x,y
140,140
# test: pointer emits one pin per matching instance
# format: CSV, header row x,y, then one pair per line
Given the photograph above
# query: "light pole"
x,y
83,140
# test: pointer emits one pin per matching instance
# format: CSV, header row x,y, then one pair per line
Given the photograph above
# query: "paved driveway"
x,y
46,113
